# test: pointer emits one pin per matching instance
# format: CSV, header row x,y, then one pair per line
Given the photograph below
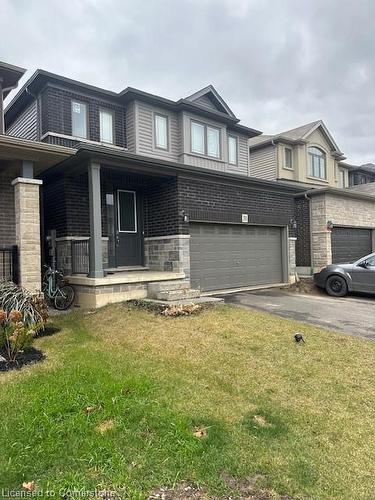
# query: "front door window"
x,y
129,237
127,212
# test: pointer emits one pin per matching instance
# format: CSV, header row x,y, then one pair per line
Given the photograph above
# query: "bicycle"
x,y
58,294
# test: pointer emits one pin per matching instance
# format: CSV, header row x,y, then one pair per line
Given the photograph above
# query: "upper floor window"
x,y
317,163
161,131
79,119
205,140
232,150
342,178
288,158
106,126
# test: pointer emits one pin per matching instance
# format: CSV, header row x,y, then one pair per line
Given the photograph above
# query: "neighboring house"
x,y
306,155
363,174
333,224
20,161
158,195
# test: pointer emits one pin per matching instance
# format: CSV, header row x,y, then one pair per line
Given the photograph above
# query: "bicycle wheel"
x,y
64,297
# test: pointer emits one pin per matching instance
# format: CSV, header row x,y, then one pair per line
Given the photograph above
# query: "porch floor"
x,y
124,277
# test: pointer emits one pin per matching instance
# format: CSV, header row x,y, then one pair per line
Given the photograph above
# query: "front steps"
x,y
170,293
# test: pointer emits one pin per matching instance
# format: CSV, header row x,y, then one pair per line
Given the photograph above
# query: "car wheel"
x,y
336,286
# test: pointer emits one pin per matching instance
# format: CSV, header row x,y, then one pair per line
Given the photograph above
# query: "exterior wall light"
x,y
330,226
184,216
293,223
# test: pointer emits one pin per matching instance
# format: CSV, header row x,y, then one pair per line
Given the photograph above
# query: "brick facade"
x,y
219,202
303,242
56,114
7,213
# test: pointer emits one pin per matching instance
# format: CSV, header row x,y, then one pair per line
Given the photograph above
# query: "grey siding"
x,y
26,124
130,128
263,163
205,102
145,132
243,156
199,161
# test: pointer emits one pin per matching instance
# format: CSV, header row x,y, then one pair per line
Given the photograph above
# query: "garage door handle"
x,y
237,262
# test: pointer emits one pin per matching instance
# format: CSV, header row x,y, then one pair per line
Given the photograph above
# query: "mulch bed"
x,y
26,358
304,286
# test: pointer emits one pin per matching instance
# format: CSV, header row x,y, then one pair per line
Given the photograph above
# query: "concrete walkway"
x,y
354,315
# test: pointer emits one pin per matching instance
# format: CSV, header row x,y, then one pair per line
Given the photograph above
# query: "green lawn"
x,y
116,403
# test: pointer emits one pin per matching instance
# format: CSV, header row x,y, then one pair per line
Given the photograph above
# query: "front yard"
x,y
129,401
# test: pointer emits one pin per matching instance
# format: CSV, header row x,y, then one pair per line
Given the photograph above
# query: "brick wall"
x,y
57,114
209,201
303,243
7,212
66,203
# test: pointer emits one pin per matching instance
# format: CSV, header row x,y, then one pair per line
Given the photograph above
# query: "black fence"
x,y
80,256
9,263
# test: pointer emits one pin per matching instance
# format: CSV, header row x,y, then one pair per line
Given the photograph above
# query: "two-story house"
x,y
333,224
307,155
158,195
363,174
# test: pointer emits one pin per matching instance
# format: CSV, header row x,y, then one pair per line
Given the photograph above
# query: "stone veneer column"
x,y
27,218
321,237
168,253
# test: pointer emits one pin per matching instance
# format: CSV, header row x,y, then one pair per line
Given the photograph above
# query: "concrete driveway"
x,y
354,315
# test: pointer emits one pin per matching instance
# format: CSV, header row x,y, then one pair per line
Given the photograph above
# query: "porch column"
x,y
27,222
95,242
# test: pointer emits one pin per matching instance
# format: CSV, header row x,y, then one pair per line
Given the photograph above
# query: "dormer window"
x,y
79,119
205,140
317,163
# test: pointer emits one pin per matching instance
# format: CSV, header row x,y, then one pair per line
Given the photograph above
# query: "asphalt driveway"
x,y
354,315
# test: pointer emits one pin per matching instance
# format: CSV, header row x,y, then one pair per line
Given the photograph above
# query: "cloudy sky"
x,y
278,63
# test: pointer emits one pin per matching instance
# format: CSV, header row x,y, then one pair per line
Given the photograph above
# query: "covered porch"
x,y
117,230
21,162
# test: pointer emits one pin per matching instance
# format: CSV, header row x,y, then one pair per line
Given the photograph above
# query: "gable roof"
x,y
209,94
41,78
297,135
10,75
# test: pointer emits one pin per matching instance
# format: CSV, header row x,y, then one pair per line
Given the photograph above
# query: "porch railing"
x,y
80,256
9,263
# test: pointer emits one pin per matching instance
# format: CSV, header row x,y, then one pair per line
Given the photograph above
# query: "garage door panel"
x,y
225,256
350,244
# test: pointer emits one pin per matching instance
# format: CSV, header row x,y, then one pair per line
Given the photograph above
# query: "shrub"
x,y
15,335
33,308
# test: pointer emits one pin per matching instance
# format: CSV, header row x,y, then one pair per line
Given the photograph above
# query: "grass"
x,y
116,403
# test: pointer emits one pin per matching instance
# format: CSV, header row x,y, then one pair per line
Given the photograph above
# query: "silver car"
x,y
339,279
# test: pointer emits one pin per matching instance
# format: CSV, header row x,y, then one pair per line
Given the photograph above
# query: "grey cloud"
x,y
278,63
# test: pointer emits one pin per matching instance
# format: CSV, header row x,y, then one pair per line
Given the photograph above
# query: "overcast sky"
x,y
278,63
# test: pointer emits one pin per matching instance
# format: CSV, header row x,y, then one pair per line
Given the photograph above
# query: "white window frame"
x,y
235,138
85,104
205,126
135,211
291,158
310,166
166,118
109,112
